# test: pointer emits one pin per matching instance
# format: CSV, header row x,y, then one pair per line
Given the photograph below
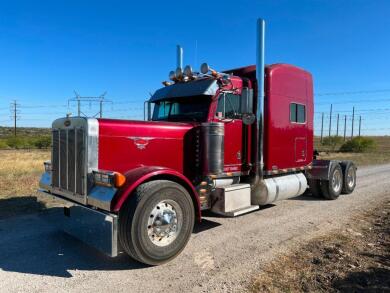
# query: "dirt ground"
x,y
355,259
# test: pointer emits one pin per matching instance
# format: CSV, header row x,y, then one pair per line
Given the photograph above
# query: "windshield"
x,y
182,109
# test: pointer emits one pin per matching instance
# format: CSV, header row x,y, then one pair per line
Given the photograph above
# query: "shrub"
x,y
18,142
42,142
332,141
3,144
358,145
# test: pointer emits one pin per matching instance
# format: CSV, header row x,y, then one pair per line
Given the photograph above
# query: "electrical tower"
x,y
82,100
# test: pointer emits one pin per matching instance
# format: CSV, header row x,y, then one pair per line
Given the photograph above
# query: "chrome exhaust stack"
x,y
179,57
260,44
257,188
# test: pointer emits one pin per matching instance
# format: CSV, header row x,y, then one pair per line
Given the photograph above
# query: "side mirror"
x,y
248,118
247,100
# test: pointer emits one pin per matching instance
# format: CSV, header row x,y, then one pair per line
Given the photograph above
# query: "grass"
x,y
381,155
20,171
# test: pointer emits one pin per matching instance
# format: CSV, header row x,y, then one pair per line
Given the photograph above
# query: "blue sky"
x,y
50,48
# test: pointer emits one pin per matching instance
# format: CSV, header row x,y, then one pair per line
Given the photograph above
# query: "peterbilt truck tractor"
x,y
227,142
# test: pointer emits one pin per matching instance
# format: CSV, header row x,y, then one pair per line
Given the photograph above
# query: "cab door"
x,y
228,111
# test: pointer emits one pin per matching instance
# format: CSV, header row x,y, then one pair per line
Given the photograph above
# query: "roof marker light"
x,y
179,73
172,75
188,71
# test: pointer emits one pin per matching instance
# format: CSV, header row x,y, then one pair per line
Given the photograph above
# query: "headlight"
x,y
107,178
48,167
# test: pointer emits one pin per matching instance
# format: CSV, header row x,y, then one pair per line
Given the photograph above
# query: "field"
x,y
20,171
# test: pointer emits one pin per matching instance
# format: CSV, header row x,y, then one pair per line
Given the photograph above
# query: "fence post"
x,y
345,126
322,126
330,120
353,120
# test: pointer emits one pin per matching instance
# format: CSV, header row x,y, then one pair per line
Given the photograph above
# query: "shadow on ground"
x,y
19,205
33,244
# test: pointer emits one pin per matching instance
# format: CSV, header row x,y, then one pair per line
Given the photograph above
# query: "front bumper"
x,y
96,228
99,196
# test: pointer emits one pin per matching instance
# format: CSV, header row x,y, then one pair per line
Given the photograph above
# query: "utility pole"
x,y
353,120
322,126
337,129
100,108
345,126
360,123
14,113
330,120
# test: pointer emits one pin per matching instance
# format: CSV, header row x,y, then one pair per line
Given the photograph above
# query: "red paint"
x,y
137,176
284,141
287,144
125,145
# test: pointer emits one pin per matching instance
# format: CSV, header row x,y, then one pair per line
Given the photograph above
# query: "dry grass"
x,y
20,171
381,155
361,159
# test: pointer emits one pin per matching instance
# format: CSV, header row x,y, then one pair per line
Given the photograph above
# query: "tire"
x,y
331,188
315,187
143,233
349,176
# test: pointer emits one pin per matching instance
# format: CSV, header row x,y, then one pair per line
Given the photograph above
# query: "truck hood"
x,y
124,145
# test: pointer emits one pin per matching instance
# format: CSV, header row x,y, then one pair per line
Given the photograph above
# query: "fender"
x,y
142,174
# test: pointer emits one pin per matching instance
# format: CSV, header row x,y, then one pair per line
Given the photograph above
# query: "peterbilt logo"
x,y
67,123
141,142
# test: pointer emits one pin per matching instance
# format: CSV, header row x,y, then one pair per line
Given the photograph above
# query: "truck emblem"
x,y
140,142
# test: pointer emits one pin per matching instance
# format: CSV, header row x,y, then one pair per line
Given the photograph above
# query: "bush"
x,y
42,142
358,145
3,144
332,141
16,142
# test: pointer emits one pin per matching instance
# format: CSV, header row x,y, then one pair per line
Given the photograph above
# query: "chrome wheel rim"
x,y
163,223
351,177
336,181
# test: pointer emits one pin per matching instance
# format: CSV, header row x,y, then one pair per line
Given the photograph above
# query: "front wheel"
x,y
156,223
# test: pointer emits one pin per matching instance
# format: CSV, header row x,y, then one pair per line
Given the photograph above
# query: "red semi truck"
x,y
227,141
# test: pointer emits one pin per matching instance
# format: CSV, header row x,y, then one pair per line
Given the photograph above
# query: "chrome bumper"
x,y
96,228
99,196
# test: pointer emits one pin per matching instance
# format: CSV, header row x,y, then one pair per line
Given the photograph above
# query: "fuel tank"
x,y
277,188
125,145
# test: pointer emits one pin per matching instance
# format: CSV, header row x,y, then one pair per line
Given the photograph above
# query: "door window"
x,y
229,105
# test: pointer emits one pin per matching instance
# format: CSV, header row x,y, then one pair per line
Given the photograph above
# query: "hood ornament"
x,y
140,142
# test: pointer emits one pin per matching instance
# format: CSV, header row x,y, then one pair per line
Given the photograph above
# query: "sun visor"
x,y
206,87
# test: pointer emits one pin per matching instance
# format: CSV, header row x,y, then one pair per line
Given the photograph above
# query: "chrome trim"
x,y
93,144
96,228
179,57
101,197
213,134
260,45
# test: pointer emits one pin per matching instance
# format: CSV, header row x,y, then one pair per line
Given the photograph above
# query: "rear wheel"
x,y
331,188
156,223
349,178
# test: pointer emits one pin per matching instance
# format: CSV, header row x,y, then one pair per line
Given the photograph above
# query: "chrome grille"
x,y
68,161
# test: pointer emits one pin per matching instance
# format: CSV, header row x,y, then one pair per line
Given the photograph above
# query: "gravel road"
x,y
222,255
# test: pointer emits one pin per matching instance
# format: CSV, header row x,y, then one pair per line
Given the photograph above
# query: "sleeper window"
x,y
297,113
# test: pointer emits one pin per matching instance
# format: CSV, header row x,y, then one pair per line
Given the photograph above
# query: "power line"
x,y
353,92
